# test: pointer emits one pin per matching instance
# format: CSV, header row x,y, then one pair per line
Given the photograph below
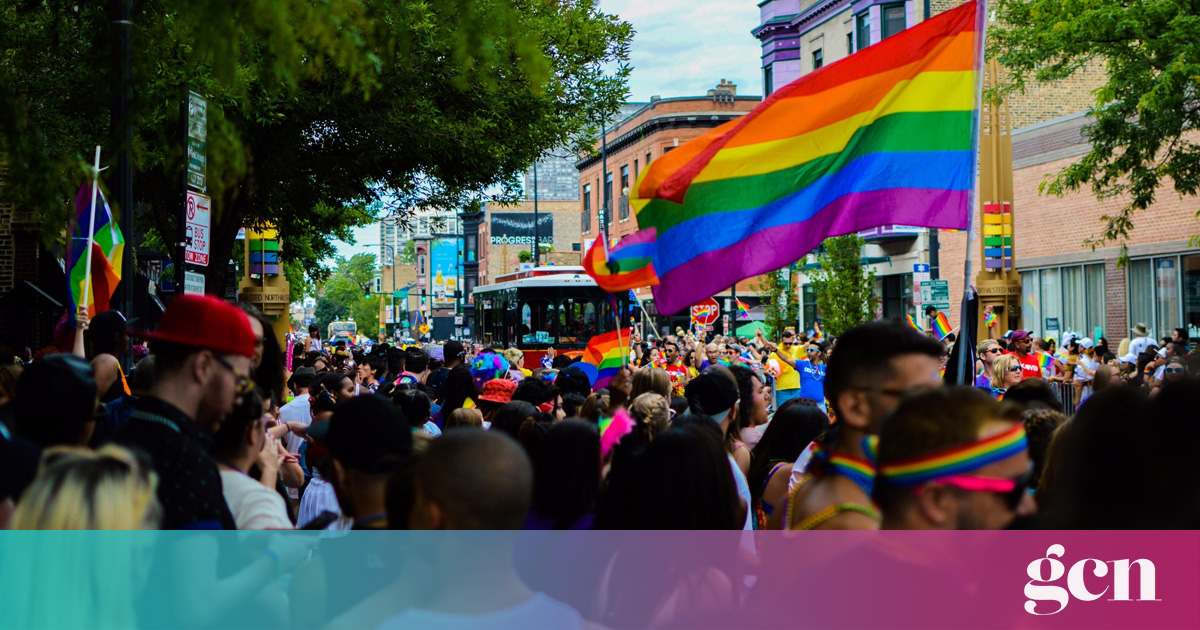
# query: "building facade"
x,y
556,177
647,133
1066,284
507,230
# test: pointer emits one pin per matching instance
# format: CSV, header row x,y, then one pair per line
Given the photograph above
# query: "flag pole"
x,y
87,274
964,362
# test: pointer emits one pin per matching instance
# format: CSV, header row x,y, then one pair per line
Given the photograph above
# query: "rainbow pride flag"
x,y
941,325
1045,361
913,322
607,353
108,245
887,136
624,267
743,309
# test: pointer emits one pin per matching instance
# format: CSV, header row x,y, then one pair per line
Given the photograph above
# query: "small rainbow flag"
x,y
108,246
607,353
626,266
1045,361
469,403
913,322
989,320
941,325
743,309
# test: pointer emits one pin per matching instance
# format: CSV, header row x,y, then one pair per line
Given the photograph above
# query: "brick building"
x,y
506,231
646,134
1066,285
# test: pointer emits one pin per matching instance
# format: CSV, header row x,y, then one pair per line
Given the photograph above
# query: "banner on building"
x,y
516,228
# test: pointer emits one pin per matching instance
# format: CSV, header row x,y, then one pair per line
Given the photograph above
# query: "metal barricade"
x,y
1066,398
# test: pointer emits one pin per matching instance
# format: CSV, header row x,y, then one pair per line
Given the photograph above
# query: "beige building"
x,y
507,230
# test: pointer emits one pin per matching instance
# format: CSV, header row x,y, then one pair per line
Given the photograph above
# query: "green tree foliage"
x,y
347,294
322,116
845,289
408,253
1145,115
781,303
524,256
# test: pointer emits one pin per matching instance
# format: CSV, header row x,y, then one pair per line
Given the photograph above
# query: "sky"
x,y
680,48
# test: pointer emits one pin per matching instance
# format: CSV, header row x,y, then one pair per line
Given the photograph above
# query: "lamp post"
x,y
603,181
536,245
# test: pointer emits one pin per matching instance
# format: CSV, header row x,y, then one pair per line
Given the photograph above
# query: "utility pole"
x,y
122,130
536,245
604,181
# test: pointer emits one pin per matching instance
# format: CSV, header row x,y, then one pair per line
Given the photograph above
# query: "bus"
x,y
543,308
342,331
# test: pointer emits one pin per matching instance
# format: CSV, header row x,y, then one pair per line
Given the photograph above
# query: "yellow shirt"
x,y
788,378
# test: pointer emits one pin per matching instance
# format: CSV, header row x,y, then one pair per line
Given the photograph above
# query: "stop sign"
x,y
706,312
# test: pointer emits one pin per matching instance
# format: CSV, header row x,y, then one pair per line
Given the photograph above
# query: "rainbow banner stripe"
x,y
624,267
941,325
957,460
913,322
108,245
887,136
607,353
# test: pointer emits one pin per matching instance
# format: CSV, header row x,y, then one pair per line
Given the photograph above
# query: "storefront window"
x,y
1073,315
897,296
1052,302
1191,295
1031,303
1141,294
1166,286
1094,279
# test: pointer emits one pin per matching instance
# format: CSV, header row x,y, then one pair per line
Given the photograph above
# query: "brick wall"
x,y
1116,302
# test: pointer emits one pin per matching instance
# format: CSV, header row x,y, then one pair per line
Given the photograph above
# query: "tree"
x,y
781,303
524,256
347,294
408,253
845,289
321,116
1145,115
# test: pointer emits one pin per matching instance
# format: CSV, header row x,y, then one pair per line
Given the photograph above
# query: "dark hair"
x,y
303,381
416,360
930,422
459,386
269,375
510,416
54,400
789,432
1040,425
377,365
1033,393
171,357
566,473
679,404
670,343
561,361
680,480
534,391
228,440
331,382
414,404
395,361
571,403
745,378
1183,334
864,355
141,377
481,479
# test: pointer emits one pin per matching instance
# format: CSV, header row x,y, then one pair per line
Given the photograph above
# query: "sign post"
x,y
194,223
920,277
199,222
936,293
193,283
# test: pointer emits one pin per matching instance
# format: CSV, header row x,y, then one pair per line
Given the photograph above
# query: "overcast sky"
x,y
681,48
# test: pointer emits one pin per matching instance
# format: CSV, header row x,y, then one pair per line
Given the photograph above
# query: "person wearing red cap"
x,y
1022,342
203,349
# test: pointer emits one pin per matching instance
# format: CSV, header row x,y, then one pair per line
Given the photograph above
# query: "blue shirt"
x,y
812,380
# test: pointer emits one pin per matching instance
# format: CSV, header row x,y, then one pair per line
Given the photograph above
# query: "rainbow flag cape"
x,y
108,245
941,325
743,309
913,322
626,266
607,353
887,136
989,320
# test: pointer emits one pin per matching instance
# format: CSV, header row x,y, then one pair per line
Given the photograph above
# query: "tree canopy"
x,y
845,288
1145,115
321,116
347,295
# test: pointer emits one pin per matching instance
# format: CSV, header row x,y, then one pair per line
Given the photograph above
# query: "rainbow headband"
x,y
860,471
957,460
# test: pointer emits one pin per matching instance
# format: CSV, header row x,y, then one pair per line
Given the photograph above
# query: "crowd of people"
x,y
221,427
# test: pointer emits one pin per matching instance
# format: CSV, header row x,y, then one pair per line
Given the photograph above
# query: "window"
x,y
863,29
850,43
421,264
1141,293
818,59
625,180
1063,299
668,149
470,247
587,208
893,19
809,306
1166,291
1191,294
537,321
576,321
647,158
897,296
635,168
606,206
768,87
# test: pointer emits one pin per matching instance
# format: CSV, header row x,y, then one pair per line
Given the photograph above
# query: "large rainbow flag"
x,y
607,352
107,248
887,136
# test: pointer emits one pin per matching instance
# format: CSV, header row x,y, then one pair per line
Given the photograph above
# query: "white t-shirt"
x,y
751,435
254,505
298,410
743,489
1139,345
539,611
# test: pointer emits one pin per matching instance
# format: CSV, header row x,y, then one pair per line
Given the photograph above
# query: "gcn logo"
x,y
1039,588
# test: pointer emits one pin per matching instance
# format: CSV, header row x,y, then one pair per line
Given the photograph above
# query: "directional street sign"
x,y
936,293
197,125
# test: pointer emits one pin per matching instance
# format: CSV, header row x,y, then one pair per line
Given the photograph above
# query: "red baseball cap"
x,y
201,321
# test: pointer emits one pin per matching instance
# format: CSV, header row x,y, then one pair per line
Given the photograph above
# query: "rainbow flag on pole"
x,y
108,245
913,322
607,352
1045,361
887,136
743,309
626,266
941,325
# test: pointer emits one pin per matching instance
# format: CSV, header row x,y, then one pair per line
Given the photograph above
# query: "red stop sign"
x,y
706,312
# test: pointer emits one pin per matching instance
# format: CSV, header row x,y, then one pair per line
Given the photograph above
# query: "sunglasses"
x,y
813,350
993,351
1173,371
1011,490
244,384
1015,368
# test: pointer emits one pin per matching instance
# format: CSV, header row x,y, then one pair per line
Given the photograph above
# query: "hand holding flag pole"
x,y
81,314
